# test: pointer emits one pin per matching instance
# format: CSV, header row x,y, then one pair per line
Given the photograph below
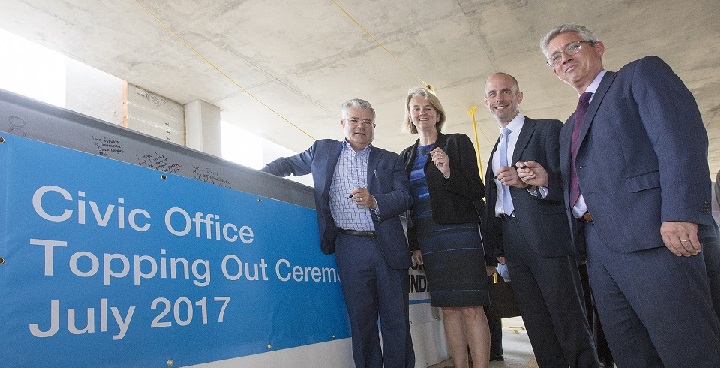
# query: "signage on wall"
x,y
112,264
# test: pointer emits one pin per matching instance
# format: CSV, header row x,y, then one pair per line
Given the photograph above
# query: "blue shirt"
x,y
418,183
350,173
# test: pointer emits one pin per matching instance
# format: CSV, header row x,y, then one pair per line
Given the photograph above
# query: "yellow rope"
x,y
381,45
411,72
477,143
218,69
365,31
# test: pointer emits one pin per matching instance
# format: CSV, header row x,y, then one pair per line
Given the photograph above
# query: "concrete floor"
x,y
516,345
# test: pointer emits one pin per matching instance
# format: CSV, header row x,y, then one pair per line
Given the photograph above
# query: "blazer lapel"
x,y
373,161
604,86
565,154
525,133
492,153
491,192
333,156
441,141
411,158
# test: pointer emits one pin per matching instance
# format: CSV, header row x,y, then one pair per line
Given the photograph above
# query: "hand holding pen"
x,y
363,198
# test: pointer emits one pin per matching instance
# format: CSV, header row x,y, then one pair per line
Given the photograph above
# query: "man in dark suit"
x,y
531,233
360,192
635,179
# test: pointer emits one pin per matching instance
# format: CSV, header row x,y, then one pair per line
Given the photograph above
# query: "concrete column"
x,y
202,127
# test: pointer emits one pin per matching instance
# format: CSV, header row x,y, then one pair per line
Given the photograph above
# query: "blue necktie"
x,y
506,199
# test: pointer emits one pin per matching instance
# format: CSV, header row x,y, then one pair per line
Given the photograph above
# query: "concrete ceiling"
x,y
281,68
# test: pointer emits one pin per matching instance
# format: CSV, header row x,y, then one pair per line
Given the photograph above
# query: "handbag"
x,y
502,300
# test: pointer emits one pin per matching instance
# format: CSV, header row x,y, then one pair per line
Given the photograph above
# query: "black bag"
x,y
502,299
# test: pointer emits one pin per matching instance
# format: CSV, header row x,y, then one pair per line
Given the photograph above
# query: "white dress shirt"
x,y
515,127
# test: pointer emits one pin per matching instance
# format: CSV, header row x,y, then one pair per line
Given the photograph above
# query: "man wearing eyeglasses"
x,y
636,183
360,193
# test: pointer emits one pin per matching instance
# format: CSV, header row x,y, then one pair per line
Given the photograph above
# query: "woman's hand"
x,y
441,161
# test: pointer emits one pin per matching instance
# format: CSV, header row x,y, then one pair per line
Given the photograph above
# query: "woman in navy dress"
x,y
443,228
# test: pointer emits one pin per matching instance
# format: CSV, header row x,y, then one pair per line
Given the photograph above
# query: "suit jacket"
x,y
544,219
642,157
386,181
456,200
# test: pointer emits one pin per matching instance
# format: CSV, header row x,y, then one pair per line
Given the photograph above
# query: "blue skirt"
x,y
454,263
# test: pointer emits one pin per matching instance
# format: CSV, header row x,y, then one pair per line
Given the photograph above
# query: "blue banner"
x,y
115,265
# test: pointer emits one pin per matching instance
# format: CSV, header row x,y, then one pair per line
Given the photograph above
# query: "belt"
x,y
586,217
364,234
505,216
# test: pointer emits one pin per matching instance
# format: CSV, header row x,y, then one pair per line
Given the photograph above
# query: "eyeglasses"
x,y
570,49
356,121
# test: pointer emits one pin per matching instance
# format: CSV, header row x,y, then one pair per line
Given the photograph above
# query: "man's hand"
x,y
532,173
681,238
509,176
363,198
490,270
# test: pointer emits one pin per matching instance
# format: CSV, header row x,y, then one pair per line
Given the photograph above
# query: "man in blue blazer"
x,y
636,184
531,232
360,193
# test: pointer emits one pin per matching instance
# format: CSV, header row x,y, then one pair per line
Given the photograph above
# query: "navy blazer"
x,y
544,219
642,158
386,181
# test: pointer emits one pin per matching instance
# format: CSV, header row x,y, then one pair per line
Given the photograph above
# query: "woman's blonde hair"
x,y
430,96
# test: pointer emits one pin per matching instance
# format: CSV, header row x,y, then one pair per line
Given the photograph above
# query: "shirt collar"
x,y
596,82
515,124
346,146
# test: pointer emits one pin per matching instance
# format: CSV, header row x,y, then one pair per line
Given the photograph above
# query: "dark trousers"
x,y
496,347
655,307
495,325
601,345
547,290
711,254
373,291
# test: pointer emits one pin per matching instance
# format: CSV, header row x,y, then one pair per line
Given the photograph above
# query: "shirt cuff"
x,y
376,210
540,192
